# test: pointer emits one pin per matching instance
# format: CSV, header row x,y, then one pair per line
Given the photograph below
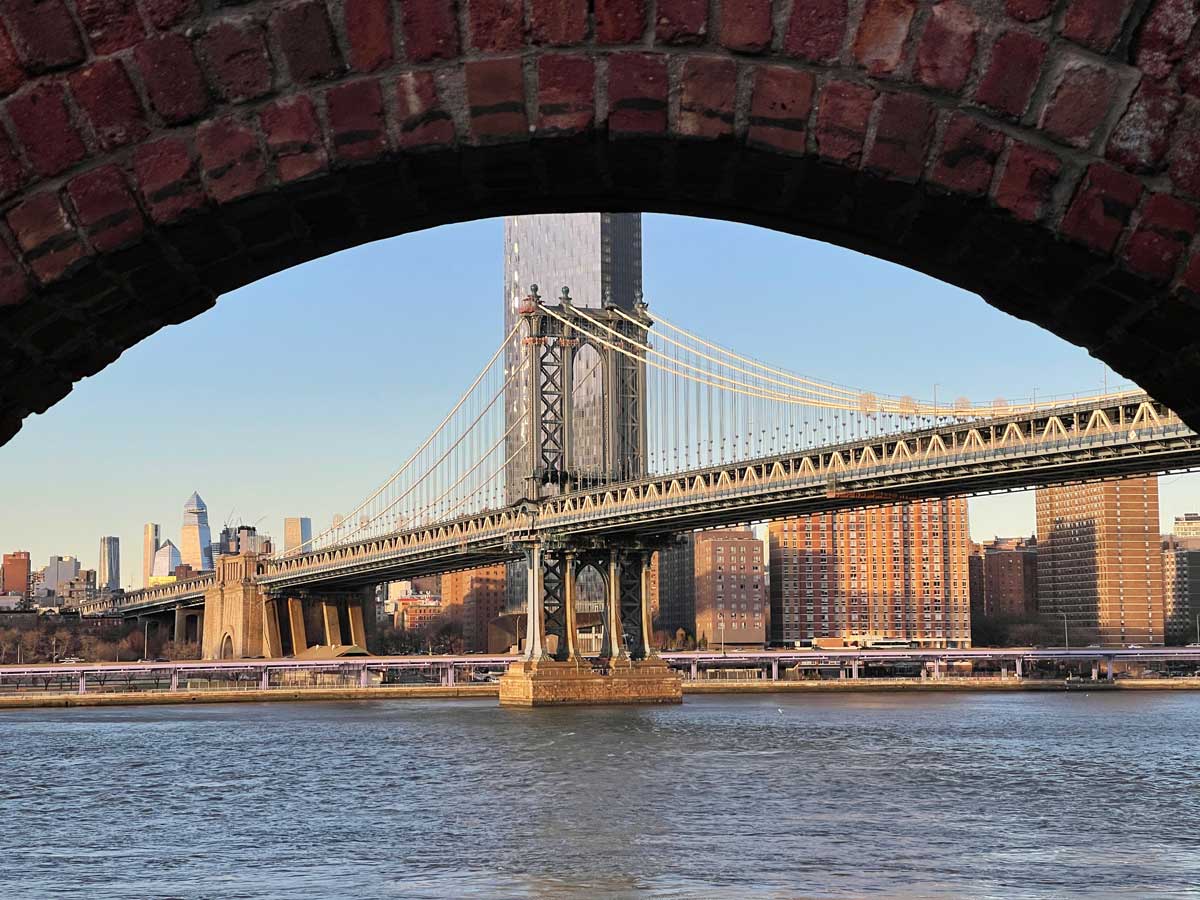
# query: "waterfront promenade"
x,y
703,672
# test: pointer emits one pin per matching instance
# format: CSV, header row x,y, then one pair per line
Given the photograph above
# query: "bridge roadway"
x,y
449,669
1131,434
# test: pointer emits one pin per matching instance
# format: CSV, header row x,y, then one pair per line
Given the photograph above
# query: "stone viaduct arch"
x,y
156,153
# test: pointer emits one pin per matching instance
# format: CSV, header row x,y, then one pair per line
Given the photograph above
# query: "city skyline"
x,y
692,268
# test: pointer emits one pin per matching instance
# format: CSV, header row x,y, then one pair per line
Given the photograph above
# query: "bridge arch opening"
x,y
1045,163
226,651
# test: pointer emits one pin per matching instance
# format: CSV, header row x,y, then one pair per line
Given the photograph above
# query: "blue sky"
x,y
297,394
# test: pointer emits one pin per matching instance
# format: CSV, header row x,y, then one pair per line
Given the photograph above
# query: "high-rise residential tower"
x,y
109,571
732,607
897,572
1099,560
599,257
196,539
151,536
1181,588
297,532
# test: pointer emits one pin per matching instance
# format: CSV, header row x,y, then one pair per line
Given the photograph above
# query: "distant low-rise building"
x,y
415,616
1187,526
1010,577
15,573
480,593
732,608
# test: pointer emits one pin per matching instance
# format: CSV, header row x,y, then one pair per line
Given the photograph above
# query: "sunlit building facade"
x,y
151,537
898,572
1099,560
166,560
109,571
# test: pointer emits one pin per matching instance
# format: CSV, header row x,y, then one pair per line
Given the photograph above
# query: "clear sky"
x,y
298,394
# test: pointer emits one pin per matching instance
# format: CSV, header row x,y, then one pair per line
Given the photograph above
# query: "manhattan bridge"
x,y
692,435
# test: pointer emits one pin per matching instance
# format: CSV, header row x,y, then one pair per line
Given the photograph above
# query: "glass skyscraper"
x,y
109,576
196,537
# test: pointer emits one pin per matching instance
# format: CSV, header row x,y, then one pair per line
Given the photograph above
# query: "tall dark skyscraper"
x,y
599,257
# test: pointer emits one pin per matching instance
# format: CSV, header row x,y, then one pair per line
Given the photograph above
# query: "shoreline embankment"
x,y
38,700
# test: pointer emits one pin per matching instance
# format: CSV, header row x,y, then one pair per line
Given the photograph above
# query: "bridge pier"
x,y
634,673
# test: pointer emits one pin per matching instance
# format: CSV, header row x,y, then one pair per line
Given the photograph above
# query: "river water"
x,y
918,795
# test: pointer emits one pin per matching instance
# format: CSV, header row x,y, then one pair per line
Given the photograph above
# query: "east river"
x,y
918,795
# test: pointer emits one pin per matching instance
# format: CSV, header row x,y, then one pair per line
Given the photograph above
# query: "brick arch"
x,y
156,153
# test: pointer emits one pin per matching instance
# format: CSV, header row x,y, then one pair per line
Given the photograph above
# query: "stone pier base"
x,y
550,683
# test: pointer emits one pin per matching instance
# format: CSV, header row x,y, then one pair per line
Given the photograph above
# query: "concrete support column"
x,y
296,625
358,630
449,674
174,679
363,677
854,669
535,613
1020,667
264,680
272,639
647,649
333,628
1108,666
180,631
937,668
616,630
695,670
572,626
774,670
1096,671
82,683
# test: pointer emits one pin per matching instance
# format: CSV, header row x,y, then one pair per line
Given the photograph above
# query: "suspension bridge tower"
x,y
584,439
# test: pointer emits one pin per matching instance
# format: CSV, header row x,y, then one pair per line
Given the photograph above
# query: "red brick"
x,y
14,286
947,47
1164,36
1183,157
43,126
747,26
236,54
637,94
1012,73
619,21
902,135
166,179
357,127
105,208
230,159
1102,206
706,97
681,21
166,13
879,43
369,33
111,25
105,95
11,76
1029,10
1164,230
43,33
496,98
1139,142
430,29
968,156
306,37
12,171
293,137
842,114
496,25
1027,186
779,108
566,93
172,78
48,241
816,30
1079,104
423,120
558,22
1191,274
1095,23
